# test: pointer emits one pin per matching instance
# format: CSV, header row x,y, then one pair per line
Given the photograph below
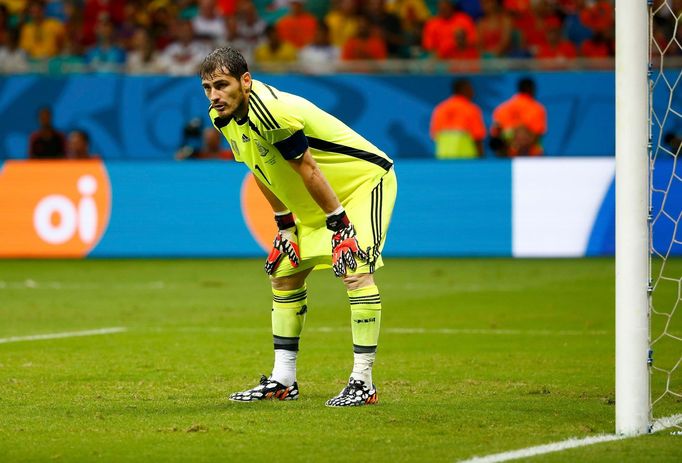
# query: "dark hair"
x,y
226,59
460,85
83,134
527,86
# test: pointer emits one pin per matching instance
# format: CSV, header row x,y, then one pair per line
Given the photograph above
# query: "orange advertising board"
x,y
257,213
52,208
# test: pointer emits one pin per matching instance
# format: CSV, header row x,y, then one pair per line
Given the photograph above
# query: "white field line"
x,y
68,334
495,331
59,285
394,330
659,425
666,422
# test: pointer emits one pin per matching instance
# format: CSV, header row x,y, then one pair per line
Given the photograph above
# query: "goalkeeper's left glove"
x,y
345,245
285,243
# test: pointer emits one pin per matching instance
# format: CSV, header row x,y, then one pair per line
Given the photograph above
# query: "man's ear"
x,y
246,81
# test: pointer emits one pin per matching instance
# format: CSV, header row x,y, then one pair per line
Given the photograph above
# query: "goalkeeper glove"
x,y
345,245
285,244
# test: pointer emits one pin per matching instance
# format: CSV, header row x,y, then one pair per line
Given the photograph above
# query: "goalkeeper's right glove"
x,y
345,247
285,243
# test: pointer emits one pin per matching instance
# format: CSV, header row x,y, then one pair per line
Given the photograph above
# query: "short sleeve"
x,y
281,123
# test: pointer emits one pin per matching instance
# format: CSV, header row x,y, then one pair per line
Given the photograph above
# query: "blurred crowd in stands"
x,y
162,36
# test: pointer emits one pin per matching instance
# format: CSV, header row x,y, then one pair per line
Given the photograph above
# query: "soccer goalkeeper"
x,y
332,194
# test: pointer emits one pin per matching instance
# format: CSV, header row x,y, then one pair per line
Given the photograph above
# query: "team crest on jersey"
x,y
245,139
262,149
235,148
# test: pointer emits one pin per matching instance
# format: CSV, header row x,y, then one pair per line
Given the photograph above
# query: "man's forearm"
x,y
275,203
316,183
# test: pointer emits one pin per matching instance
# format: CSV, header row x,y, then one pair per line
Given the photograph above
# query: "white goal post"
x,y
632,210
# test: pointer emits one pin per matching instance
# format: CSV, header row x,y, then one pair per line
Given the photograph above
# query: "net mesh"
x,y
665,178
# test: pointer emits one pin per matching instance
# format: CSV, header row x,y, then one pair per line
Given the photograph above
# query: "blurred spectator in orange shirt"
x,y
367,43
46,142
556,46
517,6
227,7
535,22
460,49
457,124
342,21
598,16
275,50
439,31
298,27
519,123
42,37
596,47
494,29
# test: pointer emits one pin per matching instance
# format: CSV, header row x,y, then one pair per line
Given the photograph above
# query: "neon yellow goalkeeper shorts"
x,y
370,215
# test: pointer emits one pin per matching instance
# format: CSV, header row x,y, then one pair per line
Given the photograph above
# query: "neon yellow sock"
x,y
288,317
365,309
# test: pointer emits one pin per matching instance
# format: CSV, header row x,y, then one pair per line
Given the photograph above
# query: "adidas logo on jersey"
x,y
245,139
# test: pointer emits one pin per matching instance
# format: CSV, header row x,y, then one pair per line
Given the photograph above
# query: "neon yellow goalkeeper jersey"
x,y
279,127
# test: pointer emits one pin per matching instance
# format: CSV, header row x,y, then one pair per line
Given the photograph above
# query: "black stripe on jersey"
x,y
373,215
258,102
294,146
375,219
380,200
259,114
255,128
271,91
324,145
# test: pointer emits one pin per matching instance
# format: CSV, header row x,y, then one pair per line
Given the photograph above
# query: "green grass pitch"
x,y
476,356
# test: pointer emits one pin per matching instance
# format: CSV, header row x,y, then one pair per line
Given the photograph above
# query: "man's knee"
x,y
289,282
358,280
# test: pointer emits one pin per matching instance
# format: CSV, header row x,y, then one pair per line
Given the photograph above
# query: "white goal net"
x,y
665,181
